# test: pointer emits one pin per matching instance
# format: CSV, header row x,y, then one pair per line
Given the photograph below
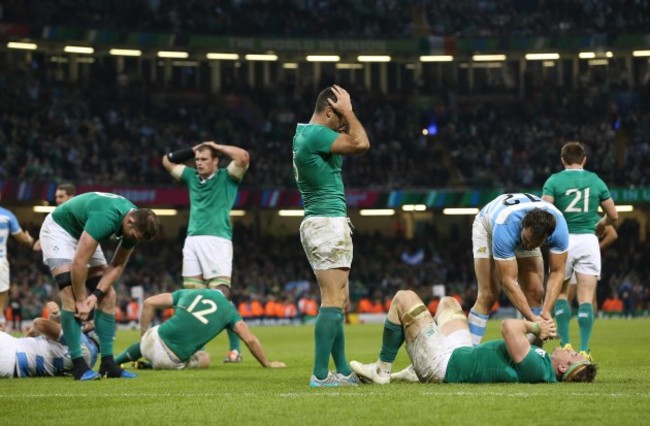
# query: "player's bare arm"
x,y
514,333
47,328
508,271
556,266
79,272
607,237
111,274
611,215
149,307
254,345
353,140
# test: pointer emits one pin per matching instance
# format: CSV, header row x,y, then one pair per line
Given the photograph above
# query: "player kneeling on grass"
x,y
43,351
199,316
441,349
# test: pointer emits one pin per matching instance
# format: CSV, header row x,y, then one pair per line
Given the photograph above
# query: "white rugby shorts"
x,y
431,351
155,350
327,242
4,276
59,247
207,256
583,256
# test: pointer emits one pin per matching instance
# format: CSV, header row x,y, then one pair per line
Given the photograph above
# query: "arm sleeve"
x,y
504,241
535,367
99,226
558,241
186,174
321,139
14,226
176,296
603,191
549,188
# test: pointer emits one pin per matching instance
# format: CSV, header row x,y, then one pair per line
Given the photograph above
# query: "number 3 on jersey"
x,y
200,314
577,195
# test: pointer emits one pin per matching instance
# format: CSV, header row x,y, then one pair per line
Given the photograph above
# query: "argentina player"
x,y
506,236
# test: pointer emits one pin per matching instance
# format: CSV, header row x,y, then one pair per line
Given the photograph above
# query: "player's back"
x,y
200,315
38,356
577,193
317,171
8,225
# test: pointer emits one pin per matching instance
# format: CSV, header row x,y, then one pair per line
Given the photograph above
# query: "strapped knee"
x,y
63,280
193,283
452,313
216,282
414,313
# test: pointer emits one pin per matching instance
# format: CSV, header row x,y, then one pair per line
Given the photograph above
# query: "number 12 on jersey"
x,y
201,313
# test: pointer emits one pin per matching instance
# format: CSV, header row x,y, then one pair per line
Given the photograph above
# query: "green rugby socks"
x,y
392,340
586,323
563,317
132,353
325,332
105,328
72,333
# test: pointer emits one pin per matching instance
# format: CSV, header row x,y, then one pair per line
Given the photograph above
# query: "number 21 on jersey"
x,y
200,314
577,195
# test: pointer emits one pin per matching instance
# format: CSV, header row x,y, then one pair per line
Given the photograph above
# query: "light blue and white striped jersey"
x,y
40,356
502,219
8,226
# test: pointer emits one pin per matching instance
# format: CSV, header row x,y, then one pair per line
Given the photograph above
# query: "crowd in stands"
x,y
104,132
339,19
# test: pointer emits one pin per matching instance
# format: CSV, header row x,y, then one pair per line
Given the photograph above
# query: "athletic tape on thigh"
x,y
414,313
216,282
193,283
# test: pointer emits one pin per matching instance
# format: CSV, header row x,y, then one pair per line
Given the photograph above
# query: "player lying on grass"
x,y
43,352
441,349
199,316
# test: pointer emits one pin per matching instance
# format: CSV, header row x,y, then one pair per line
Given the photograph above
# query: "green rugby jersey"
x,y
577,193
199,316
318,172
210,202
491,363
100,214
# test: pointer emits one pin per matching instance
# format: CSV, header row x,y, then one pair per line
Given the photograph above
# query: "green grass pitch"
x,y
244,394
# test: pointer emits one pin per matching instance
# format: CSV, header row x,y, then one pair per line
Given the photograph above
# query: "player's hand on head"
x,y
343,102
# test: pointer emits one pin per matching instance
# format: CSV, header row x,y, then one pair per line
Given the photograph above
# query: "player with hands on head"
x,y
208,249
326,232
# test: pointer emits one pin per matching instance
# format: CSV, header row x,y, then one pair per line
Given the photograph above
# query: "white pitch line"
x,y
318,394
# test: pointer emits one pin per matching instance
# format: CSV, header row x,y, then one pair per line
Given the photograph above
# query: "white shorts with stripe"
x,y
59,247
207,256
